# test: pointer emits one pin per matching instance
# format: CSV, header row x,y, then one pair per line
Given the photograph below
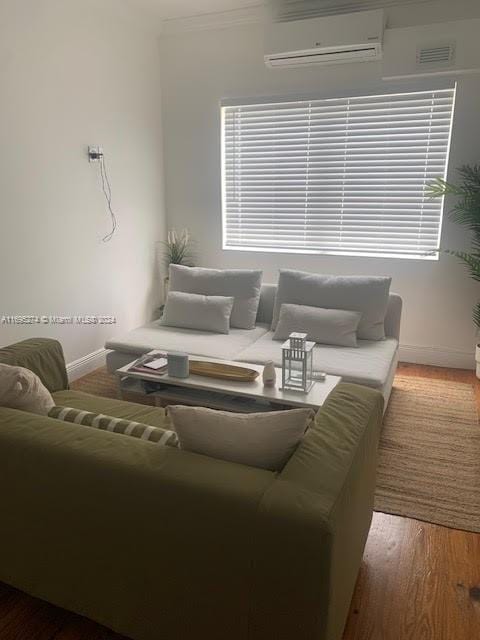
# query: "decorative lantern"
x,y
297,363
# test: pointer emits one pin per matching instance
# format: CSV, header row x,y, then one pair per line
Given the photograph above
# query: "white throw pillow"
x,y
194,311
365,294
243,285
265,440
325,326
22,389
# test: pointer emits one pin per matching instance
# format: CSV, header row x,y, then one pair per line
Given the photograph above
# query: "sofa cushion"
x,y
326,326
197,343
266,303
22,389
263,440
196,311
369,363
114,424
154,416
243,284
366,294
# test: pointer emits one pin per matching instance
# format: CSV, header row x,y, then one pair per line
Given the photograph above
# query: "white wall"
x,y
73,73
201,68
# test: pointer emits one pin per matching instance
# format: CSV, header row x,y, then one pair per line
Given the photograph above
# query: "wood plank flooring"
x,y
418,581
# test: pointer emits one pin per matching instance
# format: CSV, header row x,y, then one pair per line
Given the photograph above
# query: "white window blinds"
x,y
342,176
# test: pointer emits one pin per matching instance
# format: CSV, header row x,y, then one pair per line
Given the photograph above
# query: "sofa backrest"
x,y
267,300
392,319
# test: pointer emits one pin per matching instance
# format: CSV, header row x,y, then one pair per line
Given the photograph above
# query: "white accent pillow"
x,y
326,326
194,311
22,389
243,285
265,440
365,294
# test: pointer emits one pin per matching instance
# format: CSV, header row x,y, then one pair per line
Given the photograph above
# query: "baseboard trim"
x,y
86,364
438,357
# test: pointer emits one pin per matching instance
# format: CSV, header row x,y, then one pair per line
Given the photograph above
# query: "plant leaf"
x,y
476,315
471,260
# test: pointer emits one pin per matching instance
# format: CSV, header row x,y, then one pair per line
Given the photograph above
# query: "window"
x,y
344,176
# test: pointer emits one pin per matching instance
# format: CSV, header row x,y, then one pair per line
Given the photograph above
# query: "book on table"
x,y
154,362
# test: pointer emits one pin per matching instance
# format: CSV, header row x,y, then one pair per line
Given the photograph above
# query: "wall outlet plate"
x,y
95,153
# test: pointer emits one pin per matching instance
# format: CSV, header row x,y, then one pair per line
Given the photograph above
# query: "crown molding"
x,y
218,20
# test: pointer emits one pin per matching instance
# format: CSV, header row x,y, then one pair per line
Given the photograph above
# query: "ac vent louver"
x,y
436,56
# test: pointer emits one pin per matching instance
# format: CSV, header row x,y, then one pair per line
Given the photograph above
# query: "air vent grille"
x,y
286,10
345,54
433,56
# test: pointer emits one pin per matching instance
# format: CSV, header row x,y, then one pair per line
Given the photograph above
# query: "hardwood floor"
x,y
418,581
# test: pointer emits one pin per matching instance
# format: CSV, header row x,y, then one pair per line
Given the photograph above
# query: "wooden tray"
x,y
222,371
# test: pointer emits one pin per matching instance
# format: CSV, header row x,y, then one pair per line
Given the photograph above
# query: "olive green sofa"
x,y
155,542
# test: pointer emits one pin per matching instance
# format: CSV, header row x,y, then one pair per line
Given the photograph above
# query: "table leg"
x,y
119,388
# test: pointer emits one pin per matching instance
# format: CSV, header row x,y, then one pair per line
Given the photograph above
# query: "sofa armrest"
x,y
315,521
43,356
393,316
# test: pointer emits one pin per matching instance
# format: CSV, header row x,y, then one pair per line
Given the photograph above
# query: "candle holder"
x,y
297,363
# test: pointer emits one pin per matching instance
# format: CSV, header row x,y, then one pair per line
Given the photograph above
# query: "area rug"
x,y
429,459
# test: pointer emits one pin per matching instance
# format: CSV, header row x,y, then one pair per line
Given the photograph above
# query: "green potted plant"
x,y
466,212
176,249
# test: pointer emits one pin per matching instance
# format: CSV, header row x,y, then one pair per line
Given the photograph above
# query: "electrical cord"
x,y
107,191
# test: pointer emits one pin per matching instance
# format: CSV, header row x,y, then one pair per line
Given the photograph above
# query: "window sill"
x,y
434,256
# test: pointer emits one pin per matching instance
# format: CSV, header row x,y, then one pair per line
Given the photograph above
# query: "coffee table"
x,y
244,397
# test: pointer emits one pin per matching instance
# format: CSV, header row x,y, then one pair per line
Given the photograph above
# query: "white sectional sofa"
x,y
372,363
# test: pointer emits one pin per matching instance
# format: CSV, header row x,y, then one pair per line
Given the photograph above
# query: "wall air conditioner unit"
x,y
355,37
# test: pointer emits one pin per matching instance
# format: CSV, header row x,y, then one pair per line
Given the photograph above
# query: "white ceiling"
x,y
170,9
